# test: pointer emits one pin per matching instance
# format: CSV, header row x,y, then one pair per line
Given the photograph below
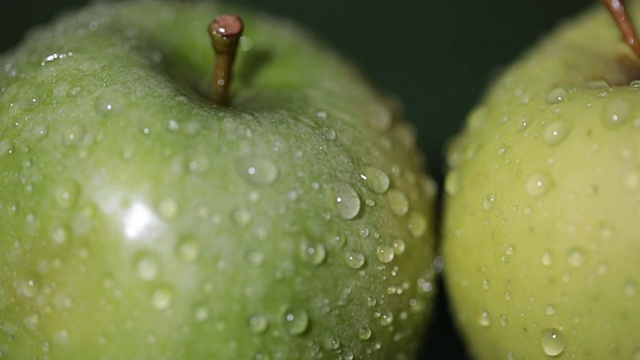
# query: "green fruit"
x,y
141,221
543,203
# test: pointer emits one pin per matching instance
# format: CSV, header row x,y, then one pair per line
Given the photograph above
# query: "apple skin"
x,y
140,221
543,201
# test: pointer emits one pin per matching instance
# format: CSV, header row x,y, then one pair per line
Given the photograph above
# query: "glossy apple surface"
x,y
543,202
140,221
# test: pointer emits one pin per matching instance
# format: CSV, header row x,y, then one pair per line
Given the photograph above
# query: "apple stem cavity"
x,y
619,13
225,32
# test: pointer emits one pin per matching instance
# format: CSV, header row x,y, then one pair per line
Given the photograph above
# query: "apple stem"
x,y
617,10
225,32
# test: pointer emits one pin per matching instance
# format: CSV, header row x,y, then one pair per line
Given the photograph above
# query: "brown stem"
x,y
617,10
225,32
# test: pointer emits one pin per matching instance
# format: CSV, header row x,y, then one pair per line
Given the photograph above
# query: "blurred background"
x,y
437,56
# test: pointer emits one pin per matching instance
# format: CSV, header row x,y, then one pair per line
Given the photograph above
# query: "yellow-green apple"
x,y
543,203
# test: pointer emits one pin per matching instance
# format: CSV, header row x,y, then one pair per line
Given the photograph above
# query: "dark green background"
x,y
437,56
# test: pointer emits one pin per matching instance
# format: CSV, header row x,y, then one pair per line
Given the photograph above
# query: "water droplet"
x,y
552,342
547,259
168,208
539,184
385,253
295,321
478,118
198,164
485,284
452,182
632,180
630,288
31,321
337,241
66,193
328,134
371,301
188,249
386,318
484,320
53,57
259,323
172,125
29,288
260,171
255,257
127,152
616,113
597,84
510,250
398,202
73,135
375,179
489,202
59,234
41,132
242,216
110,104
398,246
523,123
147,266
556,132
314,254
417,224
603,269
162,298
332,343
61,337
550,310
364,333
200,312
575,257
354,259
557,96
347,201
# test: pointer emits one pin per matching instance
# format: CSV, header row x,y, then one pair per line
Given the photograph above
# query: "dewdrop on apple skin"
x,y
557,96
556,132
385,317
258,323
295,320
552,342
314,254
354,259
398,202
617,113
364,333
539,184
260,171
375,179
385,253
347,201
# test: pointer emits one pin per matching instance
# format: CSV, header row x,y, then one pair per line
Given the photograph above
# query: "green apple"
x,y
542,210
140,220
